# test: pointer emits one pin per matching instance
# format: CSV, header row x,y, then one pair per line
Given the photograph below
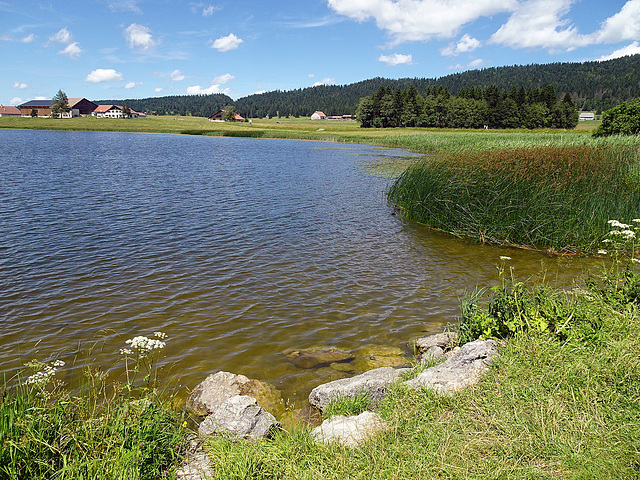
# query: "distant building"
x,y
217,117
115,111
587,116
41,107
77,107
318,115
341,117
81,106
10,111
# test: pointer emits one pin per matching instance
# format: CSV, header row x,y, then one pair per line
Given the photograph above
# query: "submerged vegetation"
x,y
546,197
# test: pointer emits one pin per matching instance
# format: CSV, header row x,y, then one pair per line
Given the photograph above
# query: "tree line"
x,y
472,108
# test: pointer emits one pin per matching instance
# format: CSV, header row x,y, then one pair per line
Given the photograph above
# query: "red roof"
x,y
9,110
106,108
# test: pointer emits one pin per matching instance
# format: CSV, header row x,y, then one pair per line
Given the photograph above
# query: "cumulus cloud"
x,y
222,79
20,85
138,36
198,90
131,85
104,75
224,44
72,50
176,76
15,101
325,81
157,89
466,44
631,49
420,20
624,25
62,36
396,59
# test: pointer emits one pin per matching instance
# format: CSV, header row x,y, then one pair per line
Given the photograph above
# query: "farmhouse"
x,y
81,106
9,111
115,111
586,116
42,108
78,106
318,115
217,117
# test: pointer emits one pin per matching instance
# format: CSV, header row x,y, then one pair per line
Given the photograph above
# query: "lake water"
x,y
237,249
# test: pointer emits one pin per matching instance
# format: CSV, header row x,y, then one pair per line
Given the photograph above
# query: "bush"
x,y
621,120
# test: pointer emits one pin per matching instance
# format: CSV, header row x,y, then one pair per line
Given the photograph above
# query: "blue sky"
x,y
116,49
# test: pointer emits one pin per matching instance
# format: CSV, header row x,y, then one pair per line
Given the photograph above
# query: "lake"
x,y
237,249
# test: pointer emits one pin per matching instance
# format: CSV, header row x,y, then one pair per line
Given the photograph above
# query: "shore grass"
x,y
545,197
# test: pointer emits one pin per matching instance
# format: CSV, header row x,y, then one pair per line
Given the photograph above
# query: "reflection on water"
x,y
237,249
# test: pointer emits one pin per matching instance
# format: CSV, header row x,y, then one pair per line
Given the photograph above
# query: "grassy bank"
x,y
545,197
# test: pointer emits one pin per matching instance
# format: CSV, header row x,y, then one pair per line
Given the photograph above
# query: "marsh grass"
x,y
547,197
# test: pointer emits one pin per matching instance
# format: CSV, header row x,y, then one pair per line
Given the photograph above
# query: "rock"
x,y
313,358
196,467
377,356
460,370
239,417
349,431
374,383
432,354
220,386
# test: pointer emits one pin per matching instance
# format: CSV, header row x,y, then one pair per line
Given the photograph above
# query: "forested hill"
x,y
594,86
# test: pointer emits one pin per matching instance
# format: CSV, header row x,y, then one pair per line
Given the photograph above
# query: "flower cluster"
x,y
144,345
42,377
622,236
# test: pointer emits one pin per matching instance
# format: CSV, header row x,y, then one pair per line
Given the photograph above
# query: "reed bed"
x,y
545,197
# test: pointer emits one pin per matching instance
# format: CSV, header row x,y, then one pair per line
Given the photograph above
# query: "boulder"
x,y
460,370
374,383
195,467
239,417
220,386
313,358
348,431
435,347
376,356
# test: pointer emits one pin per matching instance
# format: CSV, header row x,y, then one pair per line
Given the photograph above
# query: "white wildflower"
x,y
160,335
602,252
635,260
144,345
628,233
41,378
126,351
637,220
504,258
614,232
607,240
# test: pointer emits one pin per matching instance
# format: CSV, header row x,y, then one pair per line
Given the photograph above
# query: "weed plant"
x,y
101,431
547,197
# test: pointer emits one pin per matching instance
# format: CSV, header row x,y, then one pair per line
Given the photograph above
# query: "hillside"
x,y
594,86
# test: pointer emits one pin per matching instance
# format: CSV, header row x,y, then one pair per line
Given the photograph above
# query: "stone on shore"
x,y
317,357
436,346
462,369
220,386
196,467
349,431
374,383
239,417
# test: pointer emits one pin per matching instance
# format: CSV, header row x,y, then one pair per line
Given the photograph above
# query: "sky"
x,y
119,49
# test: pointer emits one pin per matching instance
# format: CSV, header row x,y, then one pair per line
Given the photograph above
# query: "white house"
x,y
317,115
587,116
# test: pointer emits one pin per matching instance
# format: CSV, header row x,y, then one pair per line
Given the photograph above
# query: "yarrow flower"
x,y
43,377
144,345
616,223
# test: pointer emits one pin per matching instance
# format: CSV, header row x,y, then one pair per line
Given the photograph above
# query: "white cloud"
x,y
61,36
15,101
325,81
224,44
104,75
208,10
131,85
176,76
420,20
259,92
198,90
631,49
396,59
125,6
624,25
477,63
222,79
29,38
157,89
541,23
466,44
72,50
138,36
20,85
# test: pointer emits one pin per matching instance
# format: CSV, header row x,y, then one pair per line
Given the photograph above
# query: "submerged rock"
x,y
377,356
348,431
374,383
239,417
462,369
313,358
301,417
220,386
